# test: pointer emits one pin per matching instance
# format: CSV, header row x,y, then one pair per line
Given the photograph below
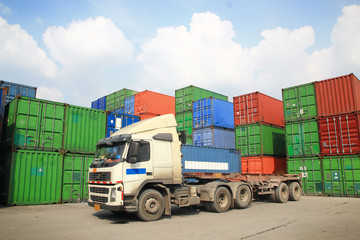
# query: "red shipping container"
x,y
263,165
144,116
338,95
148,102
339,135
258,108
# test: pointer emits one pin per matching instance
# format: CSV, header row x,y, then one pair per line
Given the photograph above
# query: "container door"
x,y
351,175
332,167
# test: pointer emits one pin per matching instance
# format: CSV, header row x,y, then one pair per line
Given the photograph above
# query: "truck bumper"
x,y
114,208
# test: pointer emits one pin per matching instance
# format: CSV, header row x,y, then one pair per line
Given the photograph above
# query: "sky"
x,y
78,51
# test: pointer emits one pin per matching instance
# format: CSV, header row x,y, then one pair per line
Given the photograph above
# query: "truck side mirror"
x,y
133,152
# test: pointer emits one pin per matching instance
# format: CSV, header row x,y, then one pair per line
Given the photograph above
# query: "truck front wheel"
x,y
151,205
222,200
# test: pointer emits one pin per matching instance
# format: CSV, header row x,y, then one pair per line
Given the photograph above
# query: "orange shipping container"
x,y
263,165
144,116
338,95
152,103
258,108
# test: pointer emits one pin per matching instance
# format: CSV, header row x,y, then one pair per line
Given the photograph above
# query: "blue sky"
x,y
78,51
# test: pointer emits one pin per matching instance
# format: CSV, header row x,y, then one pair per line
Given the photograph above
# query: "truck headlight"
x,y
113,195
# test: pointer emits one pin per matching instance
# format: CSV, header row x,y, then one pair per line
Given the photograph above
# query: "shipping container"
x,y
75,177
30,177
258,108
184,97
311,174
129,105
185,122
83,128
116,99
15,89
3,94
263,165
117,121
212,112
94,104
339,135
110,102
302,138
214,137
101,102
299,102
341,175
152,103
338,95
34,124
218,160
260,139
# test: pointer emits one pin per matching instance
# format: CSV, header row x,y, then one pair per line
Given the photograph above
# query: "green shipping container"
x,y
185,123
260,139
30,177
34,124
83,128
110,102
116,100
311,173
75,177
302,139
299,102
342,175
184,97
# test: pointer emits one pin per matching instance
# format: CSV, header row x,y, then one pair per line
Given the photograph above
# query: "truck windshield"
x,y
108,156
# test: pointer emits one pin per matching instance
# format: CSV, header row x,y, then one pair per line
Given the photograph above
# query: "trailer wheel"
x,y
151,206
282,193
243,197
295,191
222,200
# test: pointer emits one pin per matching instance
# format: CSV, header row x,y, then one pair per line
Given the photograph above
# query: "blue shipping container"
x,y
15,89
119,111
210,159
214,137
94,104
102,103
116,122
129,105
212,112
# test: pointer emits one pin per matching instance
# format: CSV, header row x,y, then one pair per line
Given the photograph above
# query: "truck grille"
x,y
99,190
100,176
99,199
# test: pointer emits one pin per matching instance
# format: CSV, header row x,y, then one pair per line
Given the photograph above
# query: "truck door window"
x,y
143,152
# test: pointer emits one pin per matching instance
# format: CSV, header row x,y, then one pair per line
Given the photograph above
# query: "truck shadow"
x,y
126,218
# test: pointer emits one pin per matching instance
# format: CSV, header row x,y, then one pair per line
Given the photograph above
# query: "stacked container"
x,y
49,147
3,94
148,104
213,123
260,133
15,89
117,121
113,101
184,99
329,160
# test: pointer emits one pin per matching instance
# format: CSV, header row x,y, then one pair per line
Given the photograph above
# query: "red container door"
x,y
258,108
263,165
339,135
338,95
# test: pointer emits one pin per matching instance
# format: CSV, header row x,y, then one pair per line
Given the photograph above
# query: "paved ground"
x,y
309,218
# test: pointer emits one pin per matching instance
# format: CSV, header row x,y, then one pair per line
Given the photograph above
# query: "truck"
x,y
139,169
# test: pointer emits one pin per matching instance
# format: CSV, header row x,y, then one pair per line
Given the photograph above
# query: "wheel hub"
x,y
151,205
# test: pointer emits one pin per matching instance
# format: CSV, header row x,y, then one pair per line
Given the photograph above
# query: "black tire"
x,y
243,197
222,200
151,206
282,193
294,191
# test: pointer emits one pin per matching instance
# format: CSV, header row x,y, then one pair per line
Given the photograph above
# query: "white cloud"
x,y
20,54
92,40
49,94
5,9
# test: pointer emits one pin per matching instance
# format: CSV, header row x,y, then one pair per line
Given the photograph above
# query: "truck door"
x,y
135,173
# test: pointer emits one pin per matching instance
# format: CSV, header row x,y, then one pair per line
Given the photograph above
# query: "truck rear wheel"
x,y
282,193
295,191
151,205
222,200
243,196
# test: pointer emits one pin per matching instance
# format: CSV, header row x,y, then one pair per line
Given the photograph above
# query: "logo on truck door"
x,y
135,171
